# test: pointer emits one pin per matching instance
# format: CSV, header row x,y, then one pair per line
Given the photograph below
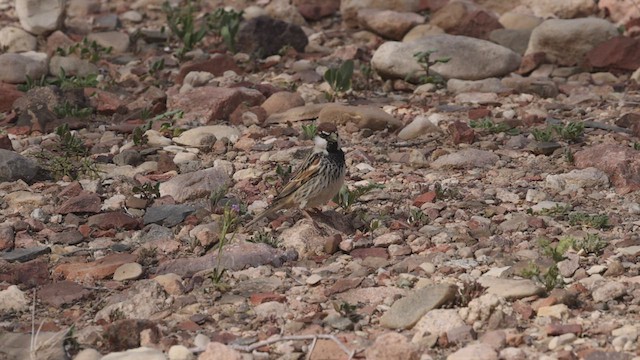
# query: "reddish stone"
x,y
424,198
216,65
559,329
260,298
316,9
548,301
618,53
113,220
536,222
85,230
83,203
103,101
531,62
461,133
342,285
477,24
237,116
10,93
478,113
621,163
208,103
96,270
5,143
29,274
523,309
73,189
63,292
363,253
189,325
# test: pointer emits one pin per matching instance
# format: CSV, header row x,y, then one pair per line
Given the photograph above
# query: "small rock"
x,y
218,351
558,311
12,299
561,340
388,23
194,185
39,17
392,346
467,158
478,351
134,354
128,271
510,288
14,167
421,125
609,291
406,312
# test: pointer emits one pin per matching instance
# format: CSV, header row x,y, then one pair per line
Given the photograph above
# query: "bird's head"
x,y
327,137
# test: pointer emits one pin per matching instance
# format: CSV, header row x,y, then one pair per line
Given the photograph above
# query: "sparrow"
x,y
317,180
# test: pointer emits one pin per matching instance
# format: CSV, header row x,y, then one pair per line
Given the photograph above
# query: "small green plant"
x,y
263,237
31,83
424,60
309,131
67,110
181,21
531,271
490,126
551,278
229,221
348,311
339,79
558,212
636,145
595,221
467,292
416,217
89,50
590,244
156,67
444,193
571,132
148,191
543,135
226,23
283,172
367,73
216,196
69,157
139,137
568,155
556,252
346,198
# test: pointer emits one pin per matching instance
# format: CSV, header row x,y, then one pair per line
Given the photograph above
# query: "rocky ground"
x,y
490,209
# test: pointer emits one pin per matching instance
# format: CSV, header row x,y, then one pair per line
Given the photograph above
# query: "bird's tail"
x,y
268,211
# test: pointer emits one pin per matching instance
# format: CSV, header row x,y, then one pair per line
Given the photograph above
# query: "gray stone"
x,y
15,40
588,178
516,40
567,41
40,16
609,291
196,185
406,312
142,353
25,254
464,62
14,166
168,215
71,65
14,68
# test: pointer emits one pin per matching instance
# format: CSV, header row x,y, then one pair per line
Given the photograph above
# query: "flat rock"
x,y
128,271
509,288
113,220
167,215
407,311
207,103
96,270
205,136
62,292
467,158
83,203
25,254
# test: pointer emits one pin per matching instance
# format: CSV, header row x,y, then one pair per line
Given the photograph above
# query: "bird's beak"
x,y
333,137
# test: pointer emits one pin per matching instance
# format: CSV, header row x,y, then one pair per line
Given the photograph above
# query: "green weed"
x,y
339,79
595,221
181,21
424,60
266,238
67,110
309,131
88,50
346,198
543,135
226,23
490,126
571,132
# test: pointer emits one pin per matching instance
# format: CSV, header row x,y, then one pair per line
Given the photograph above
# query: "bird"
x,y
317,180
